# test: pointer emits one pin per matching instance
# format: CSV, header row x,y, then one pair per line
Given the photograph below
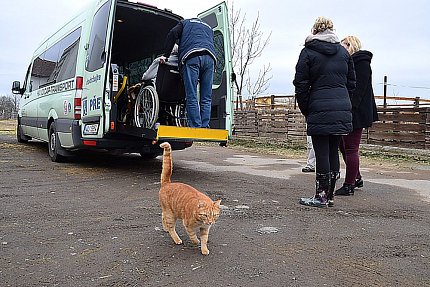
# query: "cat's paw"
x,y
195,242
178,241
205,251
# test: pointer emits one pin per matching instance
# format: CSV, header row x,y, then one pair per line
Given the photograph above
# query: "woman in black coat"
x,y
323,82
364,113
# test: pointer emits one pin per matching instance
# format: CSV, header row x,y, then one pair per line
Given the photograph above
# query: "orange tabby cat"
x,y
181,201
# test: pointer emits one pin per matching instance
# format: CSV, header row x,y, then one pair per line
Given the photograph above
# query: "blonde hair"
x,y
321,24
352,43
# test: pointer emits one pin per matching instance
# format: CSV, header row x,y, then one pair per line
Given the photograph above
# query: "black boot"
x,y
346,189
358,183
334,175
322,186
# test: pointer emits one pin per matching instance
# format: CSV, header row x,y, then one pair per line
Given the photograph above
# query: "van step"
x,y
194,134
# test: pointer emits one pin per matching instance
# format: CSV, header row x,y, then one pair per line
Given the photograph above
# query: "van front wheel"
x,y
54,144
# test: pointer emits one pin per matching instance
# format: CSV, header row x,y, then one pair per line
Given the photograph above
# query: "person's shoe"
x,y
315,201
308,169
358,183
346,189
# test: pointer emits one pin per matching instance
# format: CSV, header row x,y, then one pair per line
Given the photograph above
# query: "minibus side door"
x,y
222,88
96,103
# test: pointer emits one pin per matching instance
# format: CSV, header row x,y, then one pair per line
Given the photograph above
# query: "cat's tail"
x,y
166,171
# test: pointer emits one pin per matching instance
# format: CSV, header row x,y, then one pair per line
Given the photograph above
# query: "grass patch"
x,y
7,127
368,154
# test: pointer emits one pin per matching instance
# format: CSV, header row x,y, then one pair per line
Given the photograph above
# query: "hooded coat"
x,y
364,111
324,81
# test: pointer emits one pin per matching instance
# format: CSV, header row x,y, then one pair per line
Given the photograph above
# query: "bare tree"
x,y
8,106
248,45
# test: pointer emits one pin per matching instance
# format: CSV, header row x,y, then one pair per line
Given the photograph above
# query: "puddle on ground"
x,y
420,186
252,165
285,168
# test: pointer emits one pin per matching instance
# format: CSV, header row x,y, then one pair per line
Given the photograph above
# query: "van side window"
x,y
58,63
40,72
97,55
220,56
66,65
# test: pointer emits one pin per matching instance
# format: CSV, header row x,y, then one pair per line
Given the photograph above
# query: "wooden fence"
x,y
277,124
400,127
397,126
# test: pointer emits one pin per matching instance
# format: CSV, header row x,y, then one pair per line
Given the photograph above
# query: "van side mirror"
x,y
16,88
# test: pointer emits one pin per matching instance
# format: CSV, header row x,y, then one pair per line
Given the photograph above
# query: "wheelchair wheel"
x,y
180,115
146,107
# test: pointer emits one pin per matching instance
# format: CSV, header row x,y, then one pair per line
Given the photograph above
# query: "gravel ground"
x,y
95,221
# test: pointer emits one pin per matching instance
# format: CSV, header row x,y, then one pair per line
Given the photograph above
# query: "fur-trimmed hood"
x,y
326,42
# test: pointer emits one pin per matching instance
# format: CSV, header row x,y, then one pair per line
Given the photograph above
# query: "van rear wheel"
x,y
54,144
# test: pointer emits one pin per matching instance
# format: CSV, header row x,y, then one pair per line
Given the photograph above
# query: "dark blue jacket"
x,y
195,38
324,81
364,111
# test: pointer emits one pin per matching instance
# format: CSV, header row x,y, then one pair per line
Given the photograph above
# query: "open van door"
x,y
96,103
222,88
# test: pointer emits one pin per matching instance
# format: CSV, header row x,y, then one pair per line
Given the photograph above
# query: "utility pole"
x,y
385,92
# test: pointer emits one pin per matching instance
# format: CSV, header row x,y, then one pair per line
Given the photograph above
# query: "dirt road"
x,y
95,221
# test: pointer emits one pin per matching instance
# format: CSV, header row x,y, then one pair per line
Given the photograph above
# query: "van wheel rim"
x,y
52,142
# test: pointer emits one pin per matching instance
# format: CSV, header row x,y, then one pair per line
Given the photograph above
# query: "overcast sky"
x,y
396,32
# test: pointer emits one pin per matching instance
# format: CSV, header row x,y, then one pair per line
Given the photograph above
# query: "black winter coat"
x,y
324,80
364,111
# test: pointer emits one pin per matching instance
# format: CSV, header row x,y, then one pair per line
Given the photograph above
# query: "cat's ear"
x,y
217,203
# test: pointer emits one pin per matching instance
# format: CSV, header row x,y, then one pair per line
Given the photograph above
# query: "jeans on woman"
x,y
349,146
326,149
195,69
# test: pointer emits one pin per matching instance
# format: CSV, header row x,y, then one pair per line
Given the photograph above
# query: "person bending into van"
x,y
323,82
196,64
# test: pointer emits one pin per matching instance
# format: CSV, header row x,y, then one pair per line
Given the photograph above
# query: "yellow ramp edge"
x,y
195,134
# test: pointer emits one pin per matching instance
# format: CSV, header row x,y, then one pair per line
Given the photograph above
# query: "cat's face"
x,y
209,214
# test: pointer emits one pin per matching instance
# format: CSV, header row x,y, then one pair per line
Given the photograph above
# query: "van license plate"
x,y
91,129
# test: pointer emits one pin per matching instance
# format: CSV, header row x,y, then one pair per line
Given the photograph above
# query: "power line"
x,y
402,86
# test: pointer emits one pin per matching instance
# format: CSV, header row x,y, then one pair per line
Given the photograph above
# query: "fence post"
x,y
417,102
427,135
385,91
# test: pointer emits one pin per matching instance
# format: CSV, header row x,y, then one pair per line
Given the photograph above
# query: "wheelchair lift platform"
x,y
193,134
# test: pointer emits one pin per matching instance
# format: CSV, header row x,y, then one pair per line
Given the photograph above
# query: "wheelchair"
x,y
162,102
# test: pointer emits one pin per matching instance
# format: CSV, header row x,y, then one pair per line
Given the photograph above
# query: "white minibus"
x,y
84,90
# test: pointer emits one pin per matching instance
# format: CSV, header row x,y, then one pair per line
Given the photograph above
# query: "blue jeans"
x,y
198,68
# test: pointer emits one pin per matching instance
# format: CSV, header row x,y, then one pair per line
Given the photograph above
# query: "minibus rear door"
x,y
96,92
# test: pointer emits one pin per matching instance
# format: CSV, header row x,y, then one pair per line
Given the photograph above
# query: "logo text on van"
x,y
94,79
61,87
95,103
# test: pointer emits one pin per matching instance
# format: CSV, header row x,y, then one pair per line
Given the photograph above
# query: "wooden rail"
x,y
277,118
